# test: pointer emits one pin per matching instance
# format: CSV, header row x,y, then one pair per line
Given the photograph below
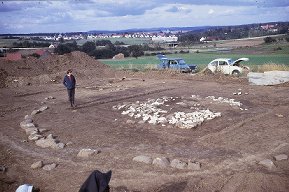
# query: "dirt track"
x,y
228,147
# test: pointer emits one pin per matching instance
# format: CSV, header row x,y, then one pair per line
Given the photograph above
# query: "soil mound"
x,y
31,70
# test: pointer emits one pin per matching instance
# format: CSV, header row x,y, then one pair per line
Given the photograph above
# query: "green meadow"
x,y
263,54
201,59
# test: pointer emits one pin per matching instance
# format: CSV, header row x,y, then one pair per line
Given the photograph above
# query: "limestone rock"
x,y
176,163
130,121
49,167
50,97
69,143
45,143
60,145
143,159
24,125
279,115
28,117
161,162
50,136
31,131
194,165
43,108
34,137
267,163
87,152
37,165
280,157
34,112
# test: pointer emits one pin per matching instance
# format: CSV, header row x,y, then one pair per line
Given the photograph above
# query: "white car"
x,y
228,66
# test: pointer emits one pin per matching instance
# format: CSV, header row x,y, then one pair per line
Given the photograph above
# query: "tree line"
x,y
29,44
232,32
105,49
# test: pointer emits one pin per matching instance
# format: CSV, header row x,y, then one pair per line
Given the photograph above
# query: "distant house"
x,y
13,56
165,39
267,27
207,39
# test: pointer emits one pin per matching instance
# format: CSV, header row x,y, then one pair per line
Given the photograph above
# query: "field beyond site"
x,y
256,50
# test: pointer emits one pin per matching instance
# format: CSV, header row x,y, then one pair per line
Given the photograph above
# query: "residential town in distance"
x,y
208,33
162,36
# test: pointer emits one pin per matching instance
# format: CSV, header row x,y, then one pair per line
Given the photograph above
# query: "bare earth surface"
x,y
228,147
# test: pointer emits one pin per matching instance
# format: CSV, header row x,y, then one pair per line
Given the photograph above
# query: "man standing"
x,y
69,82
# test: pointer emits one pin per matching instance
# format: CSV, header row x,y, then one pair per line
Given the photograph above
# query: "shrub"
x,y
88,47
35,55
62,49
135,51
277,49
182,51
269,40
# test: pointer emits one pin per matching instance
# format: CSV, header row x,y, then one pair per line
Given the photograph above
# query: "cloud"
x,y
211,11
84,15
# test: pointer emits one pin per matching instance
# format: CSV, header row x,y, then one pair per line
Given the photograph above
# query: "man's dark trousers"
x,y
71,93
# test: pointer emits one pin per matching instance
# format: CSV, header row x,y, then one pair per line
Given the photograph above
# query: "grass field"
x,y
201,59
259,53
7,42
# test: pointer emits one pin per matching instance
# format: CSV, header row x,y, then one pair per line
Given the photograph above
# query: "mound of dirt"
x,y
50,69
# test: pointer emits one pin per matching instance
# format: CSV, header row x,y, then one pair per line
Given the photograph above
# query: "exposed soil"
x,y
228,147
250,42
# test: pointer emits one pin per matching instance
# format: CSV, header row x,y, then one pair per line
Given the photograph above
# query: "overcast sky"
x,y
84,15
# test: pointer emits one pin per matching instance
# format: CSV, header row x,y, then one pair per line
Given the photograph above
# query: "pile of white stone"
x,y
190,120
151,112
231,102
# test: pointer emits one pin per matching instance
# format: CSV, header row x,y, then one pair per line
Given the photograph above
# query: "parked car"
x,y
176,64
228,66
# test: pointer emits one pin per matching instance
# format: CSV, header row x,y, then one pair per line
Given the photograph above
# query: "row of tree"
x,y
232,32
105,49
29,44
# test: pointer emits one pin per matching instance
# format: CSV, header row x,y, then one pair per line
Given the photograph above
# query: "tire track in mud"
x,y
247,159
108,98
237,125
31,94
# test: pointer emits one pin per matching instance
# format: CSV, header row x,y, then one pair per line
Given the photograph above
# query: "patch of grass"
x,y
7,42
270,67
201,59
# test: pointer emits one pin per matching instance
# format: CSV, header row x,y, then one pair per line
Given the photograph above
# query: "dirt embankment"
x,y
33,71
